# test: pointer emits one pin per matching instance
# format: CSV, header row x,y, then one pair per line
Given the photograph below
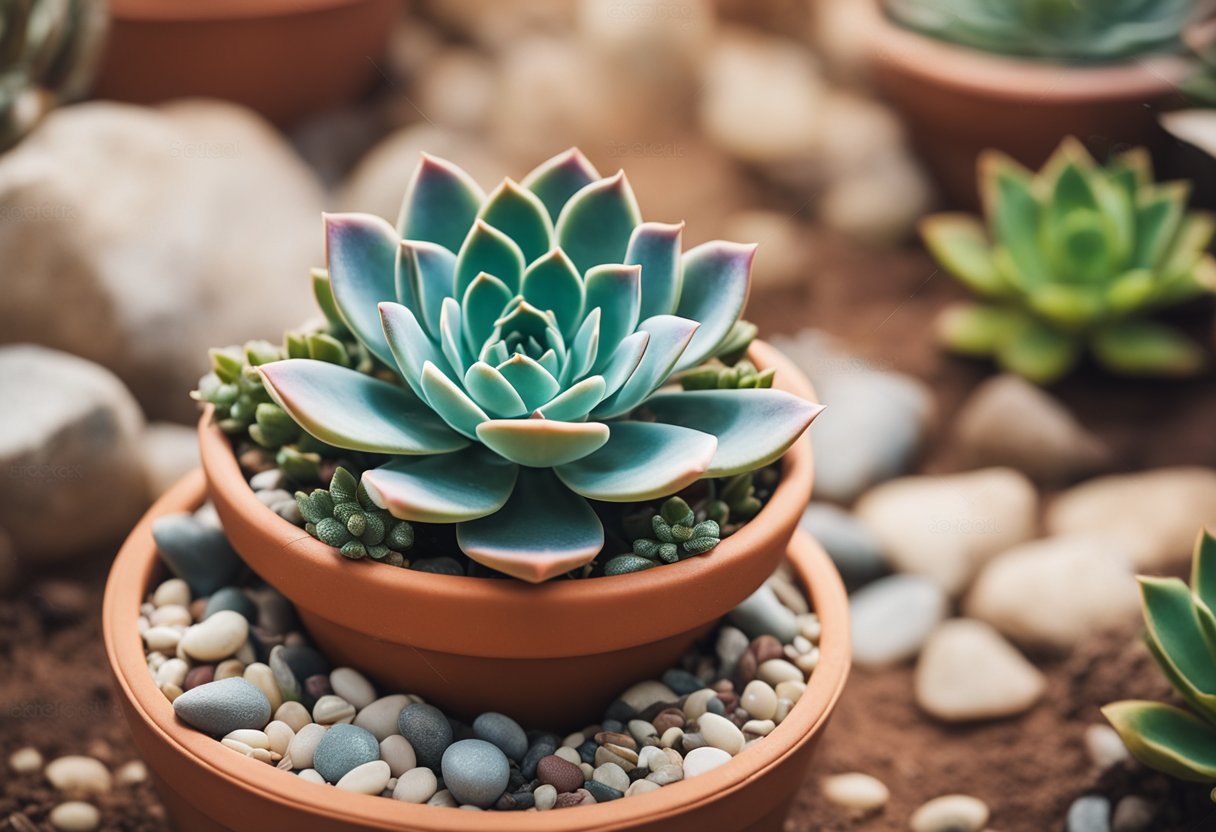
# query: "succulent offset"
x,y
1074,258
1180,629
1059,30
533,329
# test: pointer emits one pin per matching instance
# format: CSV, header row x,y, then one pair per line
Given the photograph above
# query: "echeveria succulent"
x,y
529,326
1180,629
1073,258
1058,30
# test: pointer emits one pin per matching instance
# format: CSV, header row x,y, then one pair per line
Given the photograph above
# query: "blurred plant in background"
x,y
1075,257
48,52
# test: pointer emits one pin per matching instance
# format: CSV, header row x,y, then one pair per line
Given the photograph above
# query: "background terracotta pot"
x,y
557,651
957,101
208,787
284,58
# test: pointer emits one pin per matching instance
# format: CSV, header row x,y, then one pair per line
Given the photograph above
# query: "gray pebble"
x,y
231,598
438,566
305,662
343,748
197,553
1133,814
504,732
428,731
289,686
218,708
761,613
681,681
475,772
543,747
852,546
1090,813
602,792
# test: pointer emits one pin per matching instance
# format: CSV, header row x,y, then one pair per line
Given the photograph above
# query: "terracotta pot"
x,y
957,101
284,58
207,787
555,651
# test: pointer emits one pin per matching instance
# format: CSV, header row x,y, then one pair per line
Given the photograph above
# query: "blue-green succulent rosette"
x,y
533,329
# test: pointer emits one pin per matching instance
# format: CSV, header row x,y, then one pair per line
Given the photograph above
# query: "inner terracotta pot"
x,y
207,787
957,101
552,653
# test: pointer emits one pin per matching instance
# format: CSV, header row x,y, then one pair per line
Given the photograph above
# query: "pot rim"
x,y
130,579
224,11
973,71
392,594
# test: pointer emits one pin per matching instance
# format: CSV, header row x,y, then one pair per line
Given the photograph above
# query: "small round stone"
x,y
262,677
231,598
545,796
418,785
131,773
856,791
1090,813
559,773
279,734
369,778
612,775
352,686
398,753
950,813
333,710
759,699
75,816
25,761
215,638
602,792
381,717
504,732
79,774
776,671
310,774
428,731
304,744
698,703
173,591
701,760
668,774
720,732
758,727
342,749
1133,814
294,714
475,772
220,707
641,787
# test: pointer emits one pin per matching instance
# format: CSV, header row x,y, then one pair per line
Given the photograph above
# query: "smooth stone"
x,y
317,688
289,685
541,748
369,778
74,816
504,732
197,553
602,792
342,749
310,774
25,761
217,637
352,686
950,813
776,671
1090,813
78,774
946,527
892,618
279,734
418,785
641,787
262,677
851,545
651,757
1133,814
668,774
231,598
1052,594
428,731
612,775
249,737
645,694
381,716
398,753
173,592
761,613
131,773
681,681
294,714
1156,514
729,648
230,668
701,760
856,791
721,733
222,706
1007,420
303,747
545,796
475,772
559,773
332,710
698,703
304,661
69,431
967,672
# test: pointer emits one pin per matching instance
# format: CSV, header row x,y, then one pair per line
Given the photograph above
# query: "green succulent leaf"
x,y
977,329
575,403
655,247
624,362
624,564
484,302
492,392
960,243
1166,738
520,214
534,384
424,279
441,202
595,225
1176,639
445,488
451,402
362,253
669,337
553,283
640,461
1203,569
560,178
1038,352
542,443
717,279
1159,218
1014,214
488,250
1147,348
616,290
409,347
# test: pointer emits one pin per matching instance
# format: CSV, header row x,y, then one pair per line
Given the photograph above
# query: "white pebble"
x,y
172,672
758,727
294,714
369,778
239,747
173,591
229,668
568,754
332,710
75,816
280,735
304,744
810,627
950,813
671,737
25,761
312,776
791,690
641,787
132,773
721,733
262,677
856,791
217,637
251,737
701,760
759,699
1104,747
417,785
380,717
352,686
171,615
79,774
776,671
545,796
398,753
651,757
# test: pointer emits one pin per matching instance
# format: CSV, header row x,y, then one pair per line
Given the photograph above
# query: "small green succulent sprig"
x,y
1180,629
736,502
344,517
714,375
677,535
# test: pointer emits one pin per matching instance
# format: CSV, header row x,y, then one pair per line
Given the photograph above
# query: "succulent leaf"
x,y
669,337
1166,738
553,283
960,244
521,216
655,246
616,290
488,250
441,202
1203,568
362,254
1038,352
1147,348
595,225
1177,642
427,270
560,178
641,461
717,279
542,443
446,488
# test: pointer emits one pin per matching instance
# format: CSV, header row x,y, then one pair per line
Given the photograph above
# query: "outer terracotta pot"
x,y
957,101
284,58
207,787
556,651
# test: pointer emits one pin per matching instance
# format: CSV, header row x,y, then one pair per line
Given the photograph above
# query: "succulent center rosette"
x,y
531,327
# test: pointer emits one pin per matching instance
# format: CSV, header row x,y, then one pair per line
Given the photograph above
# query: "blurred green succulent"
x,y
1180,629
714,375
532,328
1064,31
345,517
1073,258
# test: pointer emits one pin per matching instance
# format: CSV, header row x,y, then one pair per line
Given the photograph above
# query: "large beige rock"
x,y
72,481
1156,514
1051,594
967,672
946,527
138,238
457,90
